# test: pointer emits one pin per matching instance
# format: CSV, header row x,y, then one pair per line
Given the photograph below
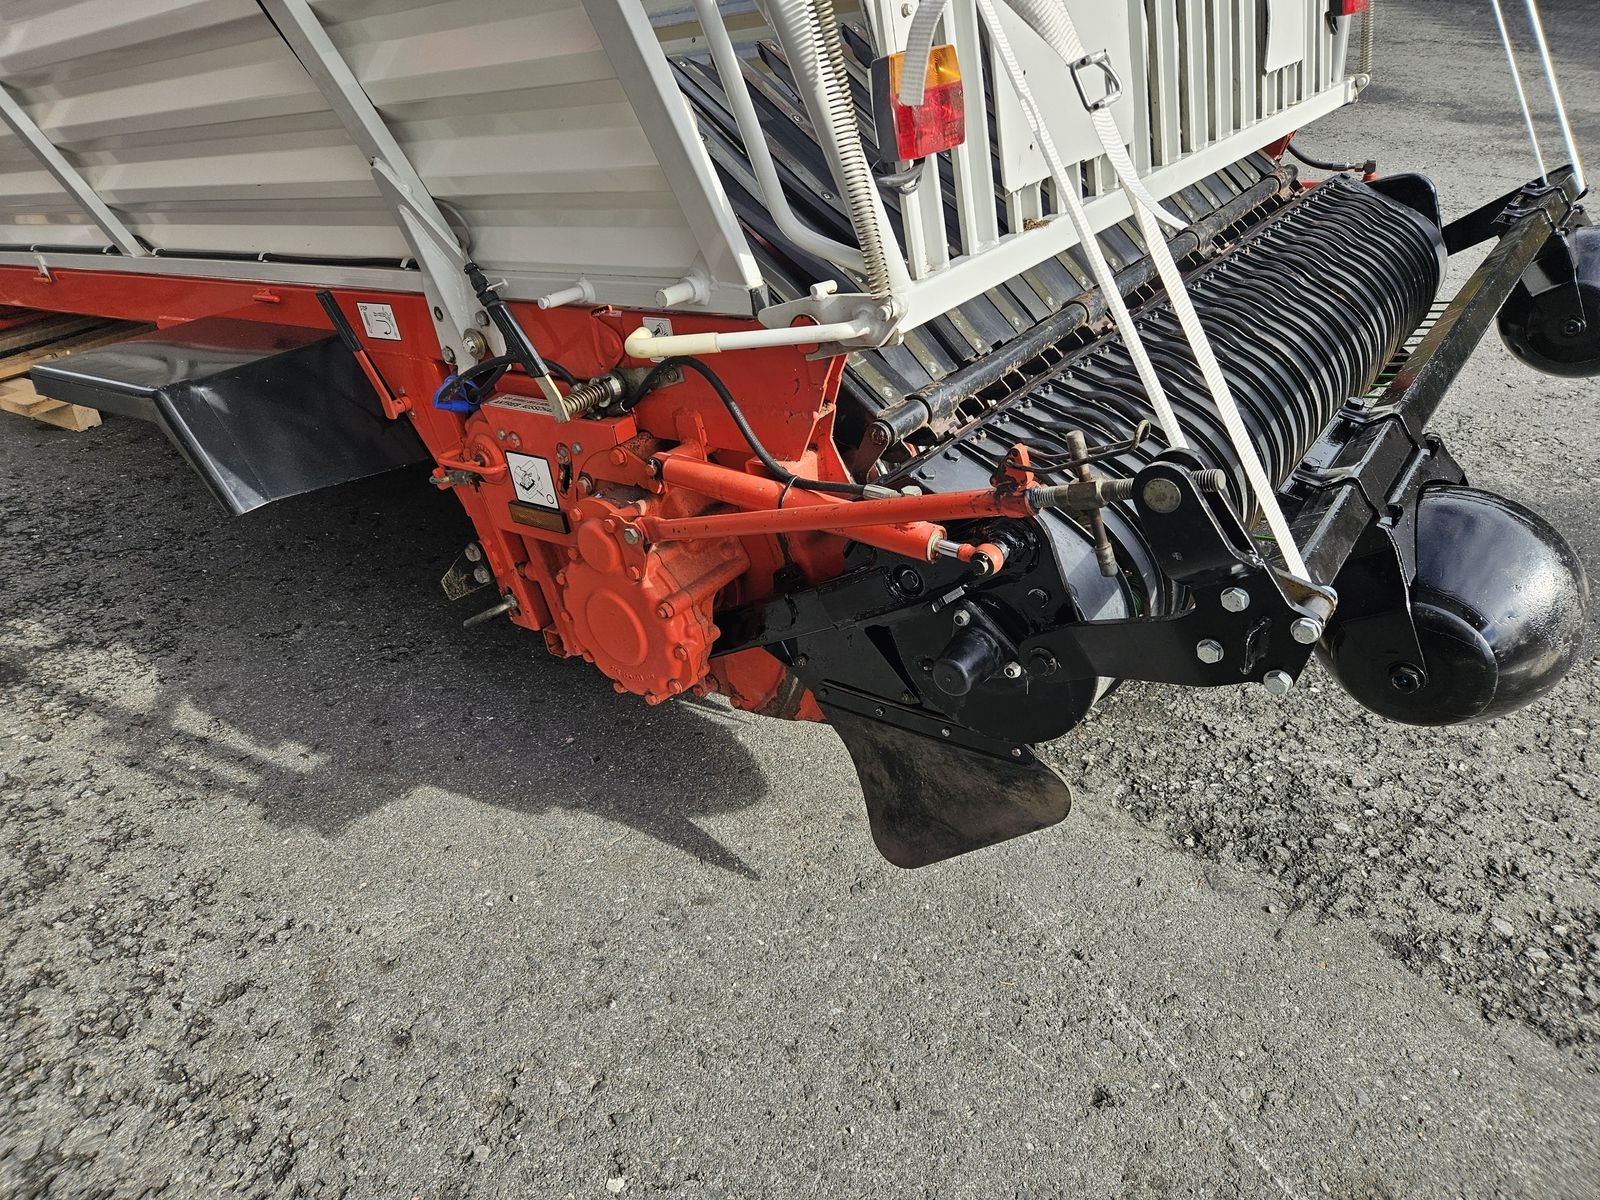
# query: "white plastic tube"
x,y
828,99
642,343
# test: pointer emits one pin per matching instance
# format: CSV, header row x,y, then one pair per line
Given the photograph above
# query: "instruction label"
x,y
531,477
378,320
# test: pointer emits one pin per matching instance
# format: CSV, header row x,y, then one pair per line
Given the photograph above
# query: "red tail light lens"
x,y
906,132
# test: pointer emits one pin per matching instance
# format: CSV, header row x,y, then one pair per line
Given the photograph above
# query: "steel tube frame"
x,y
71,180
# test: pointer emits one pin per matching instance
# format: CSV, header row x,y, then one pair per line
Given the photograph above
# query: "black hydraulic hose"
x,y
1370,167
779,471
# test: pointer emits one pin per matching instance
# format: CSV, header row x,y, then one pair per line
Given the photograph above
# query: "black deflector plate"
x,y
260,411
930,799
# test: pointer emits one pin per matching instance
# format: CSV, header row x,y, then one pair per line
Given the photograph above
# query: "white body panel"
x,y
553,129
193,120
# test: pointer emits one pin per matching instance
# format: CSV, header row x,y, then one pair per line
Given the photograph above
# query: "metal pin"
x,y
509,604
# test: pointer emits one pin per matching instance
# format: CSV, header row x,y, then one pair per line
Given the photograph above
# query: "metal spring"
x,y
859,186
583,400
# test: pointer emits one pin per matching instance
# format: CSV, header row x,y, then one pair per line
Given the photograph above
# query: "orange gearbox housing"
x,y
643,614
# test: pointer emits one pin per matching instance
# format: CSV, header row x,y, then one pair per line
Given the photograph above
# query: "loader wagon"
x,y
920,368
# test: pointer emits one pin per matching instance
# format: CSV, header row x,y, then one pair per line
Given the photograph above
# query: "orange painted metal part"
x,y
642,611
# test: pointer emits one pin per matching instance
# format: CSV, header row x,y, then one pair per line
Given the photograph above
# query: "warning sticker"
x,y
530,404
530,476
378,320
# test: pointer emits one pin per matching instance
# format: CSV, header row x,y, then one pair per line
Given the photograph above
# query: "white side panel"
x,y
1101,26
1286,34
197,124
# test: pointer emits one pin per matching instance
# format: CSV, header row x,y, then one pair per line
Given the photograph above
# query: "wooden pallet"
x,y
29,338
18,397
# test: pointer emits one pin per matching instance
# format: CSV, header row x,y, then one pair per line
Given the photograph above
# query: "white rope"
x,y
1050,19
1104,277
1522,95
1555,92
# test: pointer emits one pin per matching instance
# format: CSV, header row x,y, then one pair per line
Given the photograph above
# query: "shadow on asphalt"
x,y
304,657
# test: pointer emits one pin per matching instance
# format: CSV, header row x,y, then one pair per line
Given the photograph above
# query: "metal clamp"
x,y
1113,93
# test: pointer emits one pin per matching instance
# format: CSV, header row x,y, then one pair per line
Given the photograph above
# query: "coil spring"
x,y
583,400
859,186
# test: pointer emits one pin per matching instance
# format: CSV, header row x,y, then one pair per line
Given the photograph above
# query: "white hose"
x,y
1104,277
809,31
1050,19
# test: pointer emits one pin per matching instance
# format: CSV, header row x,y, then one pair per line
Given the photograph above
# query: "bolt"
x,y
1012,670
1278,683
879,710
908,697
449,355
618,456
631,536
1208,650
577,447
801,660
1162,496
1405,678
585,485
664,610
562,455
481,320
944,732
1306,631
1016,752
477,345
962,617
1574,327
474,552
1235,599
482,575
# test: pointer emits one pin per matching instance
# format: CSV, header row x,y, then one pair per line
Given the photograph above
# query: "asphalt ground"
x,y
306,891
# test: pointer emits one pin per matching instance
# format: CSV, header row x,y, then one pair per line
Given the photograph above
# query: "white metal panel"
x,y
1286,34
1101,26
195,122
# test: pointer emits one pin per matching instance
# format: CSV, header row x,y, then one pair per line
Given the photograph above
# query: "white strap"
x,y
1522,95
1555,92
1067,188
1051,20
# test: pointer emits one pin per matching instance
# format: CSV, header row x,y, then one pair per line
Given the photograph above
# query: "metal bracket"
x,y
826,306
64,173
1101,59
451,303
